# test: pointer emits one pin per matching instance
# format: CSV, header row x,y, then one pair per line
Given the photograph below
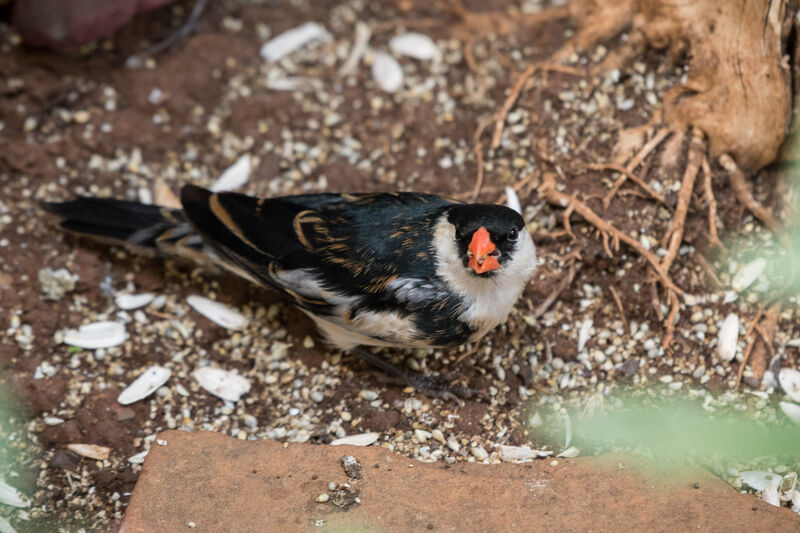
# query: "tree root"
x,y
477,149
745,197
708,197
764,324
516,89
635,162
674,235
624,173
555,197
619,306
563,284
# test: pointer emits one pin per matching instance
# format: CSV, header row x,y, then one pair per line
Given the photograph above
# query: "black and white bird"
x,y
387,269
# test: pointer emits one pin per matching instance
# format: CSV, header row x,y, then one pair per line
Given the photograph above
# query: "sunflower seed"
x,y
387,73
770,496
11,496
521,453
225,384
290,40
294,83
217,312
758,480
234,176
145,385
792,410
415,45
748,274
138,458
572,451
789,379
97,335
479,453
5,527
362,439
728,337
91,451
127,301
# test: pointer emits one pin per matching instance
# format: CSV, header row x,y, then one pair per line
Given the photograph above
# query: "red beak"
x,y
480,247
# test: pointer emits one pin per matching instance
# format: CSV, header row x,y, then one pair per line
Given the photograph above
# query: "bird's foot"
x,y
434,385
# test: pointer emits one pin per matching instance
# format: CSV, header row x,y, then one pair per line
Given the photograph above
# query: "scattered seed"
x,y
789,378
748,274
97,335
291,40
225,384
90,451
362,439
728,337
145,385
218,313
127,301
415,45
234,176
11,496
387,73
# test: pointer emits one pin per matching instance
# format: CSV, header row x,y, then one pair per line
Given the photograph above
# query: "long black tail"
x,y
123,222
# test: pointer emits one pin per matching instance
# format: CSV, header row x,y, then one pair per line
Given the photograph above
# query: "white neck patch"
x,y
487,300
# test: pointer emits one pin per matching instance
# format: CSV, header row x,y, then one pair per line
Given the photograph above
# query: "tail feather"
x,y
120,221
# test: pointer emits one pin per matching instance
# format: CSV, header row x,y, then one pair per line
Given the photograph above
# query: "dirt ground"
x,y
83,123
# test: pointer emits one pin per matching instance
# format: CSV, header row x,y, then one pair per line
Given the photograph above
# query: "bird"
x,y
399,269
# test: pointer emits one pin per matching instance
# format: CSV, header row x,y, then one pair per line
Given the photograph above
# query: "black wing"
x,y
352,245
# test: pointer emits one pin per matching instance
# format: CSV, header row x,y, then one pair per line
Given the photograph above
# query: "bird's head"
x,y
491,239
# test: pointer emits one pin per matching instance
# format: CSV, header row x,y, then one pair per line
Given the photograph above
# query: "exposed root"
x,y
759,351
477,149
762,349
745,197
516,89
472,65
708,197
497,21
669,322
635,162
625,173
554,196
749,348
619,306
674,235
563,284
708,270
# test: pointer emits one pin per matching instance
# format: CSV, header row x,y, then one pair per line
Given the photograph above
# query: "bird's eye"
x,y
513,234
